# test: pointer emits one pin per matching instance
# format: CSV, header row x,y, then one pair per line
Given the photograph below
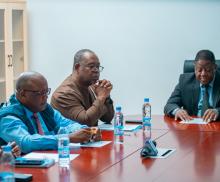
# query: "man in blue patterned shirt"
x,y
31,122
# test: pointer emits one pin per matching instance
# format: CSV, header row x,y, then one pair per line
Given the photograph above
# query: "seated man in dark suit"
x,y
33,124
197,93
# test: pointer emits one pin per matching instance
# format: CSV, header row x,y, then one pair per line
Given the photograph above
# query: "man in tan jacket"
x,y
82,96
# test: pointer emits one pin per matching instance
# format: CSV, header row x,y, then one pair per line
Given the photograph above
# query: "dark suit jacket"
x,y
186,95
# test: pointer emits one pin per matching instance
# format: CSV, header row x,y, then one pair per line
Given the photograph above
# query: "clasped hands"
x,y
86,135
209,115
103,89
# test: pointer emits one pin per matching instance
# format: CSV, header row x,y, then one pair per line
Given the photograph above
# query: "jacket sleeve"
x,y
175,100
71,106
109,111
13,129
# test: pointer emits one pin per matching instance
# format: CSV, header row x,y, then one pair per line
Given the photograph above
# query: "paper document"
x,y
91,144
35,155
110,127
163,153
194,121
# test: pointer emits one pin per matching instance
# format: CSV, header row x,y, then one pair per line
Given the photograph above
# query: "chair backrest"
x,y
189,65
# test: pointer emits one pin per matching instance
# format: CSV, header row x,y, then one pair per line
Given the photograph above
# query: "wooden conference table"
x,y
197,157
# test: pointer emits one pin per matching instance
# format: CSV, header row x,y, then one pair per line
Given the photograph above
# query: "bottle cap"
x,y
6,148
146,99
118,108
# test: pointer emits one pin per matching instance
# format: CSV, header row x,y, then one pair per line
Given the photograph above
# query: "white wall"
x,y
141,43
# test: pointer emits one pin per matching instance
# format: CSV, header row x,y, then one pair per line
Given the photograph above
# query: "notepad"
x,y
194,121
54,156
90,144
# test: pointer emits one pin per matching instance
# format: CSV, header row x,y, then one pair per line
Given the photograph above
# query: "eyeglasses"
x,y
40,93
205,69
208,68
94,67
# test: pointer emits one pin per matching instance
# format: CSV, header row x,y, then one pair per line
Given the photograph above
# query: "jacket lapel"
x,y
195,99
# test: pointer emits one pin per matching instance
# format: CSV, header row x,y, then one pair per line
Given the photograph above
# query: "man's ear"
x,y
76,66
21,93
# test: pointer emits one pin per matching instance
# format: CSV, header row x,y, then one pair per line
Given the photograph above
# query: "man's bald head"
x,y
26,79
32,91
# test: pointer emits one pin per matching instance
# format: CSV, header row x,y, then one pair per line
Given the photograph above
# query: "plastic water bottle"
x,y
63,148
7,162
146,118
118,125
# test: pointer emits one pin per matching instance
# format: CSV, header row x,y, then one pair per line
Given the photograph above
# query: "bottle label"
x,y
146,112
63,147
119,130
64,152
119,125
146,121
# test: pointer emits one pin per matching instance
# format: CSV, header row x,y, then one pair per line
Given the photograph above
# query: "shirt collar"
x,y
29,113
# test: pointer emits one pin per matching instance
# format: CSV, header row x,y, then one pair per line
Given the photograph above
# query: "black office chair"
x,y
189,65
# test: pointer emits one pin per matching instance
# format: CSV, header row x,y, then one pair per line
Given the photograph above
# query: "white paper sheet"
x,y
163,153
35,155
194,121
110,127
91,144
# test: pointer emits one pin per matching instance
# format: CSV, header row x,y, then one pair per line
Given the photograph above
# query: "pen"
x,y
167,152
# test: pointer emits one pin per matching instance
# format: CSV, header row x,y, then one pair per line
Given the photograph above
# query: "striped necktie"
x,y
39,127
205,99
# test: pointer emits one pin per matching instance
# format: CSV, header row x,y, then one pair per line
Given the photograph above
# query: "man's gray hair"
x,y
80,55
24,79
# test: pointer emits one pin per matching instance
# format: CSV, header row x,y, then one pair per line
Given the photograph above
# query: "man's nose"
x,y
203,72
